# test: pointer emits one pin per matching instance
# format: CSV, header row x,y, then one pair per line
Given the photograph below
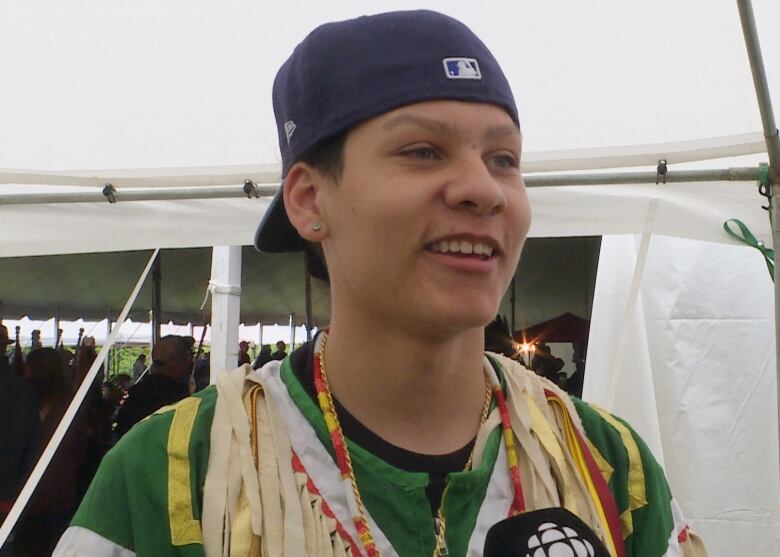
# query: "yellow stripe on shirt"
x,y
636,473
184,528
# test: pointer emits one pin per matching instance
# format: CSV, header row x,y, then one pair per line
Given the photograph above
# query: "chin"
x,y
458,316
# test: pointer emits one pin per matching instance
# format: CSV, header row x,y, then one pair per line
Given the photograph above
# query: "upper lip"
x,y
472,238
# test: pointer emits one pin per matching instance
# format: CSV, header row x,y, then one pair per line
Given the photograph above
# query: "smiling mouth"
x,y
462,248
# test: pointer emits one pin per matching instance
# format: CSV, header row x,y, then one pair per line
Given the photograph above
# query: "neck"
x,y
424,394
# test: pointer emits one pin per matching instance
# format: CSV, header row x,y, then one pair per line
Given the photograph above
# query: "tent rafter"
x,y
738,174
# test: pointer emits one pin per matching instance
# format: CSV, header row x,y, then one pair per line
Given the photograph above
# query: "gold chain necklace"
x,y
344,461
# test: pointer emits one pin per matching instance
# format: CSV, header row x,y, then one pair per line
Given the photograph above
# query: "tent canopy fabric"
x,y
152,85
557,274
95,286
687,210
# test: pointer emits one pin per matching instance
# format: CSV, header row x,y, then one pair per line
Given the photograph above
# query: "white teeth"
x,y
464,247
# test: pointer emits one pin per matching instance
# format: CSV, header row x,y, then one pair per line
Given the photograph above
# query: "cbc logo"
x,y
552,540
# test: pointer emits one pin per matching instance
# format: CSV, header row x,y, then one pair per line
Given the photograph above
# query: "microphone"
x,y
553,532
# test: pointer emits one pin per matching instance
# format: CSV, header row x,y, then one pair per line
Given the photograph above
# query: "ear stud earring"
x,y
316,227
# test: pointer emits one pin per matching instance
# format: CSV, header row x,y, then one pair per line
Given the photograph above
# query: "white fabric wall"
x,y
698,379
691,210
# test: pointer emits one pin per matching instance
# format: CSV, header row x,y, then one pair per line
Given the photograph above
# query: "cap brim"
x,y
275,233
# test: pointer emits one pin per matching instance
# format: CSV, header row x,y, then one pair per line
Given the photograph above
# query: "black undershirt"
x,y
436,466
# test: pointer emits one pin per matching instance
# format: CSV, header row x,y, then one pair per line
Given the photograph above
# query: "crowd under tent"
x,y
681,342
94,286
557,275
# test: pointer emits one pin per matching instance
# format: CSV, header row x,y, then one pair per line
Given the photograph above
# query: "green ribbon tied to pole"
x,y
745,236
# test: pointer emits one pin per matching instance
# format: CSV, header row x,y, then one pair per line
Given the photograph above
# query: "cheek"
x,y
384,215
519,213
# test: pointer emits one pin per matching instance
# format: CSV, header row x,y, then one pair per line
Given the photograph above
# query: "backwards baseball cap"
x,y
346,72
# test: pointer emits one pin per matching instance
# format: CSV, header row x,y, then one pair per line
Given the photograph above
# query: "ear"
x,y
302,191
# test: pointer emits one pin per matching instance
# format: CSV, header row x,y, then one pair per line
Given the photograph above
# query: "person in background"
x,y
544,363
139,366
35,340
5,342
19,434
243,353
57,495
575,383
202,372
281,351
86,354
166,383
263,357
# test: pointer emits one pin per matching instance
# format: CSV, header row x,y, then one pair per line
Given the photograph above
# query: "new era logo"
x,y
461,68
289,129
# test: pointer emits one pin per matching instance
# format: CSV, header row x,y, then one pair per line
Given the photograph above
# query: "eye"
x,y
504,161
424,153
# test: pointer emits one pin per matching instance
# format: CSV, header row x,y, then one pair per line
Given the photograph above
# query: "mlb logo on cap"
x,y
461,68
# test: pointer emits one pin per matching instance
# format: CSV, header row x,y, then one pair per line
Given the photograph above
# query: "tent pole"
x,y
151,338
749,174
641,177
130,194
156,299
107,365
225,308
57,328
773,149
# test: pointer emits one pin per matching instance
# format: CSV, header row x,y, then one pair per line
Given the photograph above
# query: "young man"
x,y
392,433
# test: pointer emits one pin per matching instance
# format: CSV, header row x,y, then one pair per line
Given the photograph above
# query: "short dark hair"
x,y
183,345
327,156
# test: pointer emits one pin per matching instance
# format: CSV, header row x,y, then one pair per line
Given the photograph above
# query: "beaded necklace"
x,y
344,461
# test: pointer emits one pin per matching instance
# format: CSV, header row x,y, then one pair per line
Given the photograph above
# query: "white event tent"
x,y
177,96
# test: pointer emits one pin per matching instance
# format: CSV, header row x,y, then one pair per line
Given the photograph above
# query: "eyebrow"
x,y
443,128
427,123
497,132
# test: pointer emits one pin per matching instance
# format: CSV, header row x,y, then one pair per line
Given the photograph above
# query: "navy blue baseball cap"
x,y
346,72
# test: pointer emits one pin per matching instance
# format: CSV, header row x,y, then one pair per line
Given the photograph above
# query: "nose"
x,y
474,189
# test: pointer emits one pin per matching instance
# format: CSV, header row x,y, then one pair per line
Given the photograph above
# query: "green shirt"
x,y
153,478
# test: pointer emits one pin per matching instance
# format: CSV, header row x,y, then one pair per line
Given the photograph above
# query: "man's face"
x,y
426,223
170,360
